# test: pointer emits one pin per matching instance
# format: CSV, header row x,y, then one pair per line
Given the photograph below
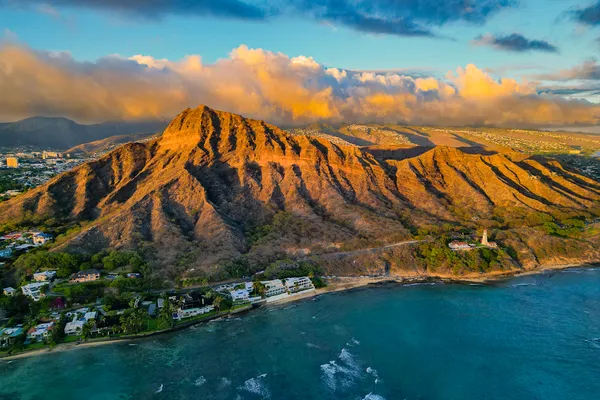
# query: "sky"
x,y
462,62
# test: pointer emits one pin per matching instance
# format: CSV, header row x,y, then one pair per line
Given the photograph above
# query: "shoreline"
x,y
334,285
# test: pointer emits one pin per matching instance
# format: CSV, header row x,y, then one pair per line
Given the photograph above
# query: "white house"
x,y
40,332
274,287
34,290
191,312
459,246
299,284
240,295
44,276
74,327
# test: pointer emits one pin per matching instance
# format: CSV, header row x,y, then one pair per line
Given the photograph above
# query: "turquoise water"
x,y
535,337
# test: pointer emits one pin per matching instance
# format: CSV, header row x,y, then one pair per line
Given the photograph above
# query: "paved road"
x,y
362,251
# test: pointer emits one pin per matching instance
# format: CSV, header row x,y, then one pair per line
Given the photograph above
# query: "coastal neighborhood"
x,y
85,305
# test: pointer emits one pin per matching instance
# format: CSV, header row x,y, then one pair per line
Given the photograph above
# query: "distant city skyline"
x,y
301,61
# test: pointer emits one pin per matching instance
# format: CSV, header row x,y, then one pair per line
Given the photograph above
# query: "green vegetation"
x,y
436,257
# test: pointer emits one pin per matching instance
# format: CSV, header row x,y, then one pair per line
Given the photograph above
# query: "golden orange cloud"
x,y
272,86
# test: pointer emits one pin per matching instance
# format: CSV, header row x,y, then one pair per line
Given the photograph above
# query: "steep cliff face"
x,y
213,178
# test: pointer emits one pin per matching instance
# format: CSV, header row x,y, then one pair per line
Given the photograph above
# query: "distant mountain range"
x,y
62,133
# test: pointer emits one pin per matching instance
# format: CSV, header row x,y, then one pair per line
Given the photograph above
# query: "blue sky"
x,y
89,34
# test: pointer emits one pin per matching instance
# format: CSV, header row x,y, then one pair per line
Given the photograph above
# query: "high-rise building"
x,y
12,162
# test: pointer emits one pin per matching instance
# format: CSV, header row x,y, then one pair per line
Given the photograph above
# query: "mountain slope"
x,y
62,133
213,180
104,145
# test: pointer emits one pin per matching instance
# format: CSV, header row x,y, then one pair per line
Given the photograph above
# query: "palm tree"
x,y
217,302
86,330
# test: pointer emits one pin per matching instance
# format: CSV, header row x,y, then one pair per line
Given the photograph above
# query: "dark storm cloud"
x,y
588,15
516,43
392,17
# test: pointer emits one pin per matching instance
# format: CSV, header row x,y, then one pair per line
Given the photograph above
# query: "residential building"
x,y
274,287
10,291
74,327
34,290
183,313
134,275
459,245
299,284
240,295
8,336
41,238
160,302
40,332
86,276
12,162
44,276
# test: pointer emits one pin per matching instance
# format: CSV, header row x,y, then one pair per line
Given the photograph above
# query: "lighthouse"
x,y
484,239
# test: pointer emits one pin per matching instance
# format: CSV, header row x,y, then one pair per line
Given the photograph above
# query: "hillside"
x,y
104,145
217,187
62,133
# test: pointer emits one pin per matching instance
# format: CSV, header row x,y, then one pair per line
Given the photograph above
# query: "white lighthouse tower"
x,y
484,239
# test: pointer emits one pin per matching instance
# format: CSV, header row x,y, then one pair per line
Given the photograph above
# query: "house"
x,y
86,276
40,332
295,285
34,290
274,287
6,253
9,291
8,336
41,238
183,313
160,302
240,295
44,276
134,275
74,327
459,245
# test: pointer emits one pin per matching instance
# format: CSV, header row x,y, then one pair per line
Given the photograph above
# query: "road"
x,y
363,251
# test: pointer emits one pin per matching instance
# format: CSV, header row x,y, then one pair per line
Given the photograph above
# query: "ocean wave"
x,y
341,374
200,381
160,389
421,284
594,343
372,396
353,342
524,284
312,346
373,372
256,386
224,383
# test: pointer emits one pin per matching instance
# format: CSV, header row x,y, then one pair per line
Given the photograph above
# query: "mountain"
x,y
217,186
62,133
104,145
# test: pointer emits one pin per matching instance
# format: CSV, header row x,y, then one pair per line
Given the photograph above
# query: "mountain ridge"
x,y
213,178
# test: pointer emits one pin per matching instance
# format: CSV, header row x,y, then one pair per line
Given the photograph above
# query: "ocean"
x,y
533,337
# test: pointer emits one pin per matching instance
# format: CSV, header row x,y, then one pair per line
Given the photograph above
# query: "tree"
x,y
259,288
165,318
86,330
57,334
133,320
217,302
